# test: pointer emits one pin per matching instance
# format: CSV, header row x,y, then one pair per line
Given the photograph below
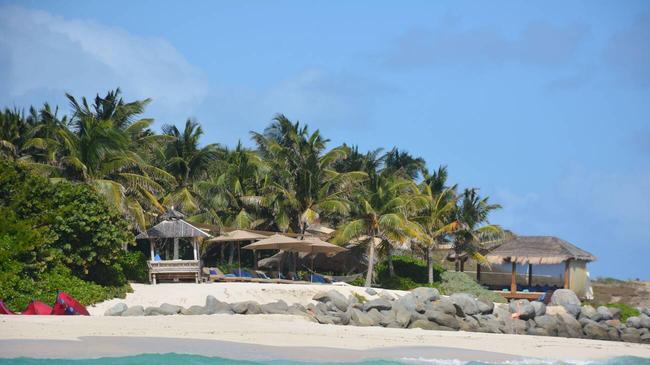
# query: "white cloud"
x,y
42,53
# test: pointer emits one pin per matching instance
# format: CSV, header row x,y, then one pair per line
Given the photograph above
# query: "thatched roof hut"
x,y
537,250
173,226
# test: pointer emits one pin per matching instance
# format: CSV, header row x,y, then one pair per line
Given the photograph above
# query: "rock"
x,y
388,316
297,309
359,318
537,331
387,296
568,299
616,313
169,309
605,313
379,304
540,308
194,310
279,307
590,312
424,324
466,302
555,310
644,321
469,324
614,333
408,301
136,310
548,323
214,306
333,296
645,310
247,307
645,338
613,323
585,321
596,331
501,311
631,335
344,317
443,319
402,315
116,310
424,294
376,316
634,322
444,305
568,326
485,306
522,308
514,326
371,291
490,324
327,319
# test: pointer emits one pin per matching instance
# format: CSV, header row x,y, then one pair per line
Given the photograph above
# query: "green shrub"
x,y
61,236
134,265
627,310
360,281
410,268
459,282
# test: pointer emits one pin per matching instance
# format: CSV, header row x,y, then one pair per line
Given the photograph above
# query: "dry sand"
x,y
277,331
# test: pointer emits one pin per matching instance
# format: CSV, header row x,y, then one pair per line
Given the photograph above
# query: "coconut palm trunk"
x,y
389,254
430,263
371,262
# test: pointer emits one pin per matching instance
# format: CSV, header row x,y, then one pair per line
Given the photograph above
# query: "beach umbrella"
x,y
316,245
238,236
280,242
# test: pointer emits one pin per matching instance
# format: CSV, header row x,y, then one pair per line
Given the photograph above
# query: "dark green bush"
x,y
409,273
627,310
59,236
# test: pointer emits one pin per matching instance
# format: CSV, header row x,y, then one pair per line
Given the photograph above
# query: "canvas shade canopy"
x,y
316,245
278,242
238,236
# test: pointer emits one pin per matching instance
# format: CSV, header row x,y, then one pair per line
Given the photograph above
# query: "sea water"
x,y
177,359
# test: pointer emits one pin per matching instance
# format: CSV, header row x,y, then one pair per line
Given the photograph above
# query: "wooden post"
x,y
530,275
478,272
151,247
513,282
175,248
566,274
194,246
255,259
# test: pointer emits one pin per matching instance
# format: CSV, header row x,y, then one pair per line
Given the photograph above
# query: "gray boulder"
x,y
568,326
514,326
631,334
645,310
327,319
424,294
490,324
214,306
379,304
596,331
485,306
334,297
408,301
442,319
522,308
537,331
169,309
279,307
502,311
116,310
136,310
246,307
605,313
360,318
466,302
194,310
469,324
548,323
376,316
634,322
371,291
644,321
445,305
424,324
540,308
616,313
568,299
386,295
590,312
402,315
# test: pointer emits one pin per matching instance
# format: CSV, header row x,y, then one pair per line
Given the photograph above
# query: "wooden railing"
x,y
173,269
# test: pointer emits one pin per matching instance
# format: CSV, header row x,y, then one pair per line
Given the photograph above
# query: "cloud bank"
x,y
45,54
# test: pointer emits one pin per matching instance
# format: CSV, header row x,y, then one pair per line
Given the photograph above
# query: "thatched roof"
x,y
173,226
238,235
537,250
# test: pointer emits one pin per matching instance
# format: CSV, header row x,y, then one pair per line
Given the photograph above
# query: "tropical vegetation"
x,y
290,178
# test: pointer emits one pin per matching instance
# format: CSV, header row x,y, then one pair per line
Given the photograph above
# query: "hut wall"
x,y
578,277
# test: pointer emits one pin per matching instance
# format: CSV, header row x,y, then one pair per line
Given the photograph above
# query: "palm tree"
x,y
187,162
101,148
304,184
436,204
379,211
403,164
474,229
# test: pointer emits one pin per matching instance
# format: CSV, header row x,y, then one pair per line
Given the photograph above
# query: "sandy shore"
x,y
220,335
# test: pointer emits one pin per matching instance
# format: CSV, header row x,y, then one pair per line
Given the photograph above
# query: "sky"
x,y
544,106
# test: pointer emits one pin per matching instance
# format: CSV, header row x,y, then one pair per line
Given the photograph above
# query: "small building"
x,y
556,262
170,260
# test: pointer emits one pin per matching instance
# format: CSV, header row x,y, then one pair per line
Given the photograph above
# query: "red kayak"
x,y
37,308
67,305
4,309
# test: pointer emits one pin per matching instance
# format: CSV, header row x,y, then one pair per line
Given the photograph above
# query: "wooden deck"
x,y
173,269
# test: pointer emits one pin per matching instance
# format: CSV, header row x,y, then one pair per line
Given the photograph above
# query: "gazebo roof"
x,y
537,250
172,227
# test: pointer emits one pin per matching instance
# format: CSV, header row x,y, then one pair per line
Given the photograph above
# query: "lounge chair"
x,y
212,273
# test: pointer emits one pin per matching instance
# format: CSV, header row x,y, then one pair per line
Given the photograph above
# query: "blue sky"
x,y
545,106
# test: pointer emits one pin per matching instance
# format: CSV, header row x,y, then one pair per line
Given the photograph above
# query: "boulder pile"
x,y
425,308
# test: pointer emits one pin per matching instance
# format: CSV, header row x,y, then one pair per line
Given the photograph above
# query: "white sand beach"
x,y
279,331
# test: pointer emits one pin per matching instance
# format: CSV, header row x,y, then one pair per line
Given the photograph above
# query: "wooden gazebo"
x,y
542,250
173,226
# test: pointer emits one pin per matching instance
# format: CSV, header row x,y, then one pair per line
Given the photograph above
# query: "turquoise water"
x,y
176,359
